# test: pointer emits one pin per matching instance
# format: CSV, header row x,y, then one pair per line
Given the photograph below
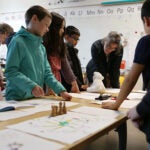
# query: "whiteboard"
x,y
95,22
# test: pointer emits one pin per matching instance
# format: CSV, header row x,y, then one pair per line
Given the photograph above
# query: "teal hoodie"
x,y
27,66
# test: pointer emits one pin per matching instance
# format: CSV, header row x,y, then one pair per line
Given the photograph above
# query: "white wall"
x,y
20,5
97,21
94,22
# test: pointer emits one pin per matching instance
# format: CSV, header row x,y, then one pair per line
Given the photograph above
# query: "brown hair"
x,y
6,28
71,30
37,10
53,42
145,10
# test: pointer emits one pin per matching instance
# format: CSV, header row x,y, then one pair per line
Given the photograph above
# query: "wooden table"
x,y
120,126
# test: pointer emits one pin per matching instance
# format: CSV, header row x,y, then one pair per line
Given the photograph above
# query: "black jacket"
x,y
9,38
143,109
105,64
72,55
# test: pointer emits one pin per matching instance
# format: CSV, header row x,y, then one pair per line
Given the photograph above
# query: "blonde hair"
x,y
113,37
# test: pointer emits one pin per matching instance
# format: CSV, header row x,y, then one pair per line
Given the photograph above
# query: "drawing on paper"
x,y
15,146
70,127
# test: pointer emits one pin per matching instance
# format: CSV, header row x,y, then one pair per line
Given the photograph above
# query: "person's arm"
x,y
141,59
74,87
69,75
140,111
12,69
67,71
53,83
75,64
126,87
143,107
98,57
135,117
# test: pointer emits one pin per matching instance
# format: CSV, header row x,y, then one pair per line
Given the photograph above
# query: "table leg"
x,y
122,133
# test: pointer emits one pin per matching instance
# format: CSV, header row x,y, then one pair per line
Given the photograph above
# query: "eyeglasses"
x,y
75,38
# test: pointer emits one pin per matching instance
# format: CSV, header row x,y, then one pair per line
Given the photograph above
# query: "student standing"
x,y
27,68
106,59
72,35
6,33
56,52
141,62
140,115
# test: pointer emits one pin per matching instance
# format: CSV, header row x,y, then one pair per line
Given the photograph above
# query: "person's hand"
x,y
66,96
137,123
133,114
135,117
84,86
75,88
110,105
37,91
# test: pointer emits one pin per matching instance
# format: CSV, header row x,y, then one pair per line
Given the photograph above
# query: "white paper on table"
x,y
136,96
105,113
112,91
13,114
46,105
129,103
139,91
85,95
32,102
26,103
37,102
92,96
15,104
126,103
15,140
40,105
67,128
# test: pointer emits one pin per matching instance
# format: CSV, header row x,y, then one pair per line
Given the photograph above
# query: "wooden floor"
x,y
136,140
